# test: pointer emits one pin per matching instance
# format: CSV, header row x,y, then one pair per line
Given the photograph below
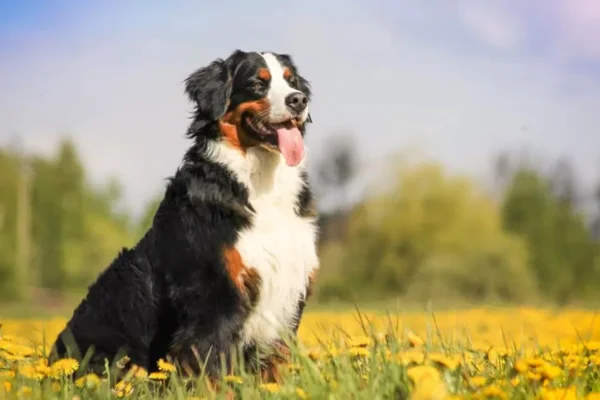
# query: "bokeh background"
x,y
455,149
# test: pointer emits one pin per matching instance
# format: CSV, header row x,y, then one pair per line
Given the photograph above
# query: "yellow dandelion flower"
x,y
165,366
444,361
595,359
423,372
414,340
478,381
89,380
569,393
550,372
514,382
269,387
429,388
301,393
360,341
521,366
494,391
411,357
593,345
593,396
234,379
7,386
535,362
123,388
359,352
534,376
158,376
139,372
31,372
63,367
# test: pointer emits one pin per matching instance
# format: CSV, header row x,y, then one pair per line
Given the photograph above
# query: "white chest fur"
x,y
280,245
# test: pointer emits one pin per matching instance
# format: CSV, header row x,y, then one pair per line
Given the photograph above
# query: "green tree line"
x,y
421,233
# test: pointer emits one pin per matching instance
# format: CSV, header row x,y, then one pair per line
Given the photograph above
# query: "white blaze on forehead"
x,y
279,89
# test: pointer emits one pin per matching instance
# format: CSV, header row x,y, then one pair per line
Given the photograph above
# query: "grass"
x,y
519,353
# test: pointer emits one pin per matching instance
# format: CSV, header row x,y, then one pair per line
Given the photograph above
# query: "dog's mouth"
x,y
283,136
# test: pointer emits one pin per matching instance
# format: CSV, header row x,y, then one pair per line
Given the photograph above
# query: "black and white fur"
x,y
172,295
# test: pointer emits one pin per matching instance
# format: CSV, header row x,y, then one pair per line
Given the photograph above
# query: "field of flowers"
x,y
501,353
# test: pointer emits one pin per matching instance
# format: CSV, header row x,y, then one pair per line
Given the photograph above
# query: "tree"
x,y
433,236
9,182
542,210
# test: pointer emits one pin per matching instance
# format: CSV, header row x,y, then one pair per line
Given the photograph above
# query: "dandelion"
x,y
89,381
535,362
447,362
31,372
569,393
423,372
414,340
123,388
478,381
165,366
550,372
521,366
139,372
234,379
359,352
411,357
301,393
158,376
64,367
7,386
494,391
269,387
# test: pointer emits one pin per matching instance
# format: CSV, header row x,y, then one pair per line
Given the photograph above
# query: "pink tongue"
x,y
291,144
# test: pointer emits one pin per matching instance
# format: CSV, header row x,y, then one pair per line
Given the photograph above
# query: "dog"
x,y
229,260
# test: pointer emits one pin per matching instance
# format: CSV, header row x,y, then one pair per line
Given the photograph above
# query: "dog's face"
x,y
258,99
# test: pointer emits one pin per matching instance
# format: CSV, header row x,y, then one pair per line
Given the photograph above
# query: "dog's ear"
x,y
210,89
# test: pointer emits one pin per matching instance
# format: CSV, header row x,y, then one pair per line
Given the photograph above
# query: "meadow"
x,y
516,353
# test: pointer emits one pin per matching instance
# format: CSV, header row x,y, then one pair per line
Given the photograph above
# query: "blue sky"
x,y
456,80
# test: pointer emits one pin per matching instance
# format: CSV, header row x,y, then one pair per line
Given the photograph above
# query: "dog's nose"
x,y
296,102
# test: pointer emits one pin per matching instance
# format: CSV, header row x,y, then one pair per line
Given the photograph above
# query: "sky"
x,y
456,81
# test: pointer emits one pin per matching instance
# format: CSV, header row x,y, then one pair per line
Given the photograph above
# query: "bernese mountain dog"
x,y
229,260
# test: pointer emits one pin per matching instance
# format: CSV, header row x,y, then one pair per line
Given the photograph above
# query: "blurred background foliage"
x,y
418,233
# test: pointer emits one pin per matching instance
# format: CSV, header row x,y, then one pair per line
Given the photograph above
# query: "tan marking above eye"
x,y
287,73
264,74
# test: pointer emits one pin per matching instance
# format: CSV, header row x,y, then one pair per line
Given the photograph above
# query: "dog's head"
x,y
255,99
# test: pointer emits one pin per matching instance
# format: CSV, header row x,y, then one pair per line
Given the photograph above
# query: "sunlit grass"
x,y
477,353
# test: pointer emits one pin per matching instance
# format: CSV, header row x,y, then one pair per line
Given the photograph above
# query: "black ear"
x,y
210,88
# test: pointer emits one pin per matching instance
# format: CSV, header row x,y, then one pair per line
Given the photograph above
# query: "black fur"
x,y
171,294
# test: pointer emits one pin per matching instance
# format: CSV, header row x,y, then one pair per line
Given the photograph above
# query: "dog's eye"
x,y
259,85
